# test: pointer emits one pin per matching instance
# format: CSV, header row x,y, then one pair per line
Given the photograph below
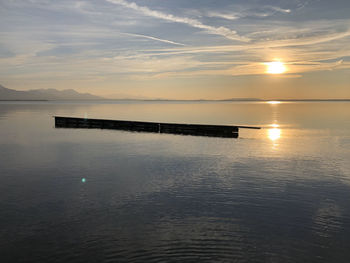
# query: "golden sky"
x,y
178,49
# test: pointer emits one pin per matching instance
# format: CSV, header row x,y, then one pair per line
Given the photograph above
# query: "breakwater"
x,y
226,131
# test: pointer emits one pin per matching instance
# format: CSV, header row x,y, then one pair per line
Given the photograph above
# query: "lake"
x,y
279,194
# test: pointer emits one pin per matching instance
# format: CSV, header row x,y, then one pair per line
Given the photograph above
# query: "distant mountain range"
x,y
71,94
45,94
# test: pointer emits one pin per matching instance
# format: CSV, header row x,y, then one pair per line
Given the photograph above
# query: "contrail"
x,y
222,31
154,38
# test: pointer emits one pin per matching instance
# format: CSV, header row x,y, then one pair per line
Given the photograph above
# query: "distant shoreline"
x,y
25,100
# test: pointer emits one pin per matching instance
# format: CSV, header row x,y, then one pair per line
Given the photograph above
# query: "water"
x,y
280,194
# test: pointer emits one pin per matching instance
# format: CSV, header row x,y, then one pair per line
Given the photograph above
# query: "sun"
x,y
275,67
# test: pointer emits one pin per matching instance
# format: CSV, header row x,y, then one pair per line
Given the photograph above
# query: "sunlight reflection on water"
x,y
274,134
273,102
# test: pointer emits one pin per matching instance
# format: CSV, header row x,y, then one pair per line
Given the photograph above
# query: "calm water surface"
x,y
280,194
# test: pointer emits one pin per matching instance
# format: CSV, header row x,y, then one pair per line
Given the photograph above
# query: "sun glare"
x,y
275,67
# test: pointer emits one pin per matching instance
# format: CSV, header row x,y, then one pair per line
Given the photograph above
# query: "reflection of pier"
x,y
138,126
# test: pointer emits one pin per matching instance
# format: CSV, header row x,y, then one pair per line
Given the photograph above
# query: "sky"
x,y
177,49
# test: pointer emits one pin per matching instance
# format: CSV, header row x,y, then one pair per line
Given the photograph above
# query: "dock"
x,y
224,131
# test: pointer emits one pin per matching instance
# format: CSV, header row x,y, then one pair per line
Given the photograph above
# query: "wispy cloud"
x,y
279,9
228,16
222,31
313,35
264,11
294,70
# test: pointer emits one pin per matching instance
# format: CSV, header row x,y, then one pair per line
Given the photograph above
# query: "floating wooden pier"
x,y
155,127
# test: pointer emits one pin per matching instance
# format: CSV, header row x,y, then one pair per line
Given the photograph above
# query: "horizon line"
x,y
218,100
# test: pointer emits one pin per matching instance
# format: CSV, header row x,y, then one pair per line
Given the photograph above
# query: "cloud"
x,y
314,37
228,16
293,71
222,31
303,53
280,10
264,11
